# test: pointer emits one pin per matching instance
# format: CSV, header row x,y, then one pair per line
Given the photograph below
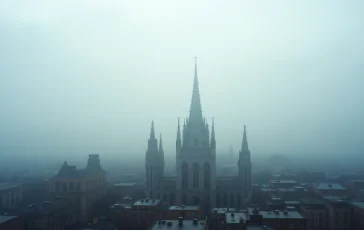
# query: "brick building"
x,y
185,211
11,222
86,185
10,195
316,214
140,215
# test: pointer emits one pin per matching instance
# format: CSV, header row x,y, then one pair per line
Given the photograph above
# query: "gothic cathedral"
x,y
196,182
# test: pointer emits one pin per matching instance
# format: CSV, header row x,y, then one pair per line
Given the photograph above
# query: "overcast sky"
x,y
80,77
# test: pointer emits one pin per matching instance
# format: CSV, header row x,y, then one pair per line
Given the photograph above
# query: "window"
x,y
196,174
232,201
184,175
207,176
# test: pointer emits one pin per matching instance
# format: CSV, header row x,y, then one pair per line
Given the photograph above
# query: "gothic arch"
x,y
207,175
184,175
196,175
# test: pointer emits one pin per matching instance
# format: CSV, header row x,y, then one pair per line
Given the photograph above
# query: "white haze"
x,y
80,77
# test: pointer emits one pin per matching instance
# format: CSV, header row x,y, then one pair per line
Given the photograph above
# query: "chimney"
x,y
194,221
180,221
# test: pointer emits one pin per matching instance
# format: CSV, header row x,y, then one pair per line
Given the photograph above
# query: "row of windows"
x,y
232,200
72,186
90,199
196,175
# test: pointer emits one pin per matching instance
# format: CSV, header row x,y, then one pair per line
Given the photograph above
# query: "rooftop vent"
x,y
169,223
286,212
195,222
232,214
159,222
180,221
163,222
276,212
142,201
183,206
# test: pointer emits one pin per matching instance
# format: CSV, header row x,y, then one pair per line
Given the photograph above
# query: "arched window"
x,y
185,175
151,178
64,187
171,199
196,175
184,199
72,186
207,175
225,200
196,200
239,200
232,201
58,187
217,200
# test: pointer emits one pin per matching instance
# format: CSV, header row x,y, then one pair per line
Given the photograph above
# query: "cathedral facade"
x,y
196,182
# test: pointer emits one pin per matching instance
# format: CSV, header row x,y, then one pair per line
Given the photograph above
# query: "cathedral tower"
x,y
154,165
195,156
244,166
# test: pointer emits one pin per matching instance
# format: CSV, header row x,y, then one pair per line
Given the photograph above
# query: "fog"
x,y
81,77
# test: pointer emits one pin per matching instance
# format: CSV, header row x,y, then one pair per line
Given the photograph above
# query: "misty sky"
x,y
80,77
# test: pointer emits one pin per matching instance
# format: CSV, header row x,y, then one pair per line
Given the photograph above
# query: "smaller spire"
x,y
65,161
213,130
178,131
152,134
245,140
160,143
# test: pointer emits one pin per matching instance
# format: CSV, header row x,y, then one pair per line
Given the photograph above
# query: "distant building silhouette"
x,y
86,185
196,182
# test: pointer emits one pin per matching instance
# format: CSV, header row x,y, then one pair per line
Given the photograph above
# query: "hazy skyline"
x,y
89,76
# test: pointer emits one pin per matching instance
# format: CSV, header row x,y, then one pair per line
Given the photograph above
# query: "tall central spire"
x,y
195,110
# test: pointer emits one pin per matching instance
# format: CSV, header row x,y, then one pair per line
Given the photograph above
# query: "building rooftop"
x,y
124,184
276,214
46,206
4,218
328,186
283,182
359,204
292,202
258,227
315,207
6,186
223,210
147,202
235,217
184,207
174,224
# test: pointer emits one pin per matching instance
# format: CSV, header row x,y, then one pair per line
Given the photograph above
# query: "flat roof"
x,y
258,227
283,181
124,184
146,202
279,214
4,218
359,204
223,210
173,224
6,186
328,186
184,207
235,217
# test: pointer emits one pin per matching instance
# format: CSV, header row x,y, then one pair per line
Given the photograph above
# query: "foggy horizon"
x,y
90,78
